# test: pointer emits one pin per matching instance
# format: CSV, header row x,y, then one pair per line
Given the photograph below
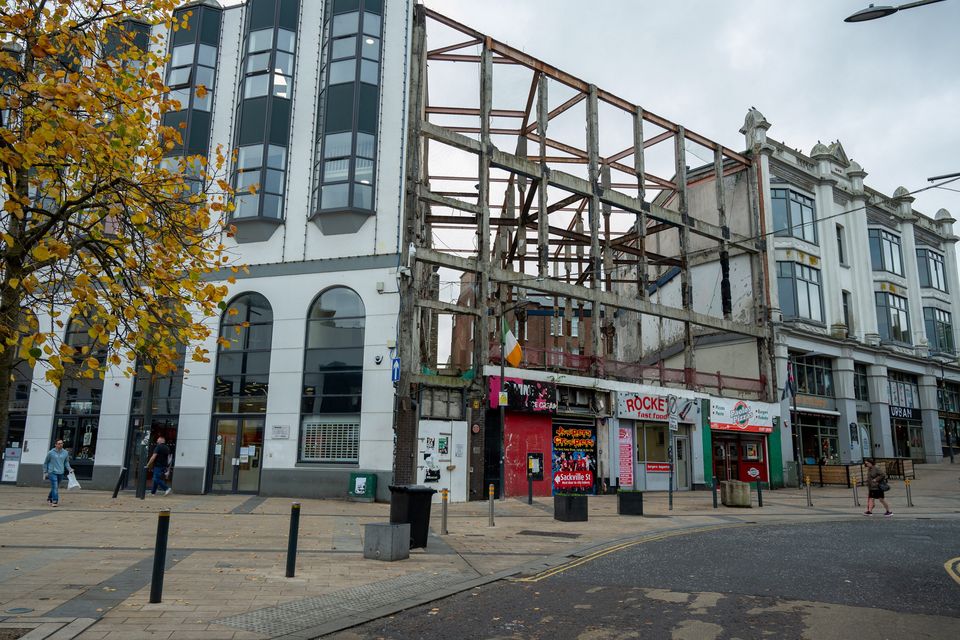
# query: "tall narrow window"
x,y
847,318
346,144
243,358
263,115
841,245
333,378
193,62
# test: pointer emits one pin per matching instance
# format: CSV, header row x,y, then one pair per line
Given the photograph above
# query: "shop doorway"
x,y
725,459
236,454
681,462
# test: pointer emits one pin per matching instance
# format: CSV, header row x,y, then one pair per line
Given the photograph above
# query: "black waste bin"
x,y
410,504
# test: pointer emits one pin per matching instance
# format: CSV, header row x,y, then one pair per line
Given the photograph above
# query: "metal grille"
x,y
330,441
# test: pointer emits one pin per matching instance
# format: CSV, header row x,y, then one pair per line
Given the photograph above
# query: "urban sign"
x,y
907,413
524,395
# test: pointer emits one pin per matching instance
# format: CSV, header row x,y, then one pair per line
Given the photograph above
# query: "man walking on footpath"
x,y
159,461
56,466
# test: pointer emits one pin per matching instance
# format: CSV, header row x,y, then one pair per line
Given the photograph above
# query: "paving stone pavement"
x,y
83,570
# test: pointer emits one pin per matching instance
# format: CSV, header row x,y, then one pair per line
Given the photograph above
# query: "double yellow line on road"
x,y
543,575
953,568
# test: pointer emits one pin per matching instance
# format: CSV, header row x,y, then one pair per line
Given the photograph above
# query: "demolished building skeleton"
x,y
628,208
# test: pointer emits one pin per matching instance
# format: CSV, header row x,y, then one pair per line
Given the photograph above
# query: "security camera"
x,y
378,359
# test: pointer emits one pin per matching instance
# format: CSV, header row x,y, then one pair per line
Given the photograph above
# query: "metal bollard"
x,y
759,495
159,556
714,492
856,494
906,482
529,489
292,539
444,496
491,491
809,495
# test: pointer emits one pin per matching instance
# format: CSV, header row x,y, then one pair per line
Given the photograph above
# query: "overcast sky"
x,y
887,89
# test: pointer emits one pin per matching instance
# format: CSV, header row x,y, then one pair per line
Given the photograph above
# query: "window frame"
x,y
932,269
795,273
938,325
890,305
882,243
801,230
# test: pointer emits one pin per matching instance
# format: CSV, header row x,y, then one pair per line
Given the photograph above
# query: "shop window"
x,y
814,375
903,389
332,388
861,388
654,444
821,441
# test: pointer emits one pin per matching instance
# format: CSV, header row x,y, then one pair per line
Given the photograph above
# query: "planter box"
x,y
630,503
570,508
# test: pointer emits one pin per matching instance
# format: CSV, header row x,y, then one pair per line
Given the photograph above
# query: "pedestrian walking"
x,y
877,486
56,466
160,462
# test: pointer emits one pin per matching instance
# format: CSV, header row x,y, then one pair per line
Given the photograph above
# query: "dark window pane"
x,y
185,35
280,122
339,303
262,14
252,118
272,206
229,364
209,26
340,404
362,196
289,13
339,110
341,6
257,363
199,133
369,72
340,334
283,63
375,6
369,103
273,182
371,24
320,360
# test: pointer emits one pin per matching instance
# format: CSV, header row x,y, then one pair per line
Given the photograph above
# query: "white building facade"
x,y
866,289
312,93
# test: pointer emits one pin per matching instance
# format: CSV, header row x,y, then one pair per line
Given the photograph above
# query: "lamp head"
x,y
871,13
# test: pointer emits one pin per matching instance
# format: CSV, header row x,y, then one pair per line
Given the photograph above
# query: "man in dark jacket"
x,y
160,463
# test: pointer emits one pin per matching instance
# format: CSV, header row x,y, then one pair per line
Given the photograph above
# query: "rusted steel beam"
x,y
580,97
458,57
470,111
493,131
559,146
455,47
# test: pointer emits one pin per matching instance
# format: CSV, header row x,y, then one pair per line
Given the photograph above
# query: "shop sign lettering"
x,y
524,395
908,413
638,406
574,459
626,456
658,467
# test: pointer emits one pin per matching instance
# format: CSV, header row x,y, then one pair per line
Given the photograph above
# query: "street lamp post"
x,y
872,12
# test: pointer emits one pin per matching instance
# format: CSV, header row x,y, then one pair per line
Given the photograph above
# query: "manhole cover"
x,y
19,610
549,534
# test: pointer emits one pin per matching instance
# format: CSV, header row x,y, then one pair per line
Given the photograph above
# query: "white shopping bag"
x,y
72,481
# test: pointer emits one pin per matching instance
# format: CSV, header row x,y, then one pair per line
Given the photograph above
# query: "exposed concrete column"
x,y
686,283
543,237
640,226
725,296
788,449
593,208
881,436
930,415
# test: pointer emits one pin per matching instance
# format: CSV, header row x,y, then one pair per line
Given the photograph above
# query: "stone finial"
x,y
755,127
855,169
901,193
820,149
943,214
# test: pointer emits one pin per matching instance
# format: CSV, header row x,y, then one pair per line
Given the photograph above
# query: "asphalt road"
x,y
874,578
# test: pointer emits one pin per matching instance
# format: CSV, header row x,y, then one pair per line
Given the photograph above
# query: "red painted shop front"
x,y
526,433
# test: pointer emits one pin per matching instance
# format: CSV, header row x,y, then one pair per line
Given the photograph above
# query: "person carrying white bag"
x,y
56,466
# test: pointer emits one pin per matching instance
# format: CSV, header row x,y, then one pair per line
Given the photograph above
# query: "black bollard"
x,y
529,489
713,490
120,480
159,556
292,539
759,494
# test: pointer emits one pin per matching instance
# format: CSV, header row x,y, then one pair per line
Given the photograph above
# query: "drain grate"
x,y
549,534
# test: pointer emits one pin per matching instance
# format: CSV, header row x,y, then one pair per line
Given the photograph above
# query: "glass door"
x,y
237,452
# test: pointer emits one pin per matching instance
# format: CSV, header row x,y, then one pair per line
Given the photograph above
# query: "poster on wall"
x,y
625,438
524,395
574,459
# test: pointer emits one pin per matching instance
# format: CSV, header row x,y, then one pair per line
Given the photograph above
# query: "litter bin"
x,y
363,487
410,504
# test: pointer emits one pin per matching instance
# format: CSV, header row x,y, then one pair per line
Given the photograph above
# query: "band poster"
x,y
574,459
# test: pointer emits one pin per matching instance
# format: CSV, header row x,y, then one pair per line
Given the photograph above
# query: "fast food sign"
x,y
640,406
740,415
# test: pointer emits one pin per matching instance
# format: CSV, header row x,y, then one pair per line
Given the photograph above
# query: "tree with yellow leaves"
x,y
97,221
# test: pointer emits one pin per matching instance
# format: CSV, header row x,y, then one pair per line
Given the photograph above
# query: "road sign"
x,y
672,418
395,370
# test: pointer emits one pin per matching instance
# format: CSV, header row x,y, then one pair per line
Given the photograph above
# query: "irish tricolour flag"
x,y
511,348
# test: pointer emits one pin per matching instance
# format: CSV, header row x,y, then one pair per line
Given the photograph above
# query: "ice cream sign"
x,y
740,415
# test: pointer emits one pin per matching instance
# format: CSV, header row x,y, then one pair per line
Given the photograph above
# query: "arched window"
x,y
333,378
78,401
240,397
